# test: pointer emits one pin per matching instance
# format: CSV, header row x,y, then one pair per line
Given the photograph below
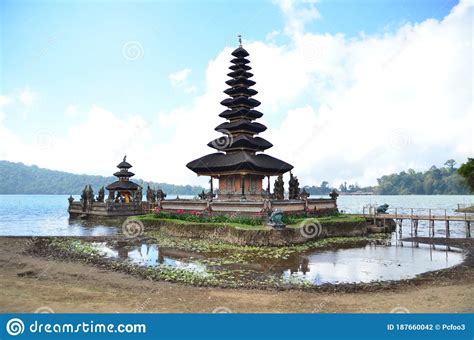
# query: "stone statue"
x,y
84,194
70,199
84,198
160,195
150,195
276,219
382,208
202,195
87,198
111,196
267,205
294,187
90,194
279,188
304,195
334,195
101,195
139,195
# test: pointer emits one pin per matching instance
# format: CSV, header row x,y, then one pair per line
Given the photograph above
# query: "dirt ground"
x,y
29,284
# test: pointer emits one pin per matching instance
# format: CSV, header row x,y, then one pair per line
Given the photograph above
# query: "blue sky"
x,y
69,56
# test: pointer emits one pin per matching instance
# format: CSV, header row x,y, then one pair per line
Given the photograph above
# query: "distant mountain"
x,y
18,178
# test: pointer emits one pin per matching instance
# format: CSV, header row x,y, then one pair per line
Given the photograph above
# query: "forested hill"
x,y
434,181
17,178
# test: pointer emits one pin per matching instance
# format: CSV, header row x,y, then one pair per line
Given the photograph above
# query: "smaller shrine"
x,y
124,190
124,198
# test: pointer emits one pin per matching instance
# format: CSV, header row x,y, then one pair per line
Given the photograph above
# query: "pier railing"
x,y
414,215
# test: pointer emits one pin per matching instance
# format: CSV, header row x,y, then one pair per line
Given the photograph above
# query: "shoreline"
x,y
55,282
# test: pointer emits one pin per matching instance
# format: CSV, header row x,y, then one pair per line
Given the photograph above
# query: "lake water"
x,y
46,215
375,262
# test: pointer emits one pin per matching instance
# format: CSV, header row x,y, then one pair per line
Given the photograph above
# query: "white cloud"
x,y
336,108
5,100
179,78
71,111
27,97
297,14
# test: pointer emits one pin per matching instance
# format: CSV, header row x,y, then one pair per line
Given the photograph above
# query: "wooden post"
x,y
468,229
268,184
447,229
432,228
375,213
415,224
429,224
242,185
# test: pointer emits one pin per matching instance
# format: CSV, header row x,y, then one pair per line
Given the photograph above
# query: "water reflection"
x,y
394,261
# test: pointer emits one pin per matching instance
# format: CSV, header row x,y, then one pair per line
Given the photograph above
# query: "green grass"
x,y
151,217
295,222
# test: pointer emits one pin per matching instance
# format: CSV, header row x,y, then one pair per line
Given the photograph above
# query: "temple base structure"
x,y
250,207
105,209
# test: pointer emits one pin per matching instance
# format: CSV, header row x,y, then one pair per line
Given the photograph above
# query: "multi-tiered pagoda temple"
x,y
240,164
124,187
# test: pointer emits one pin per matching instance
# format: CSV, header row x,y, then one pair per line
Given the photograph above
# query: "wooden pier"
x,y
400,214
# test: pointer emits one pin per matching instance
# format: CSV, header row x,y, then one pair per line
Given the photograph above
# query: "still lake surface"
x,y
394,260
46,215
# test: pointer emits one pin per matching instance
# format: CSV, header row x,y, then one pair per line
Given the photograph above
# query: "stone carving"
x,y
101,195
111,196
87,198
160,195
276,219
382,208
150,195
279,188
70,199
139,196
304,195
202,195
294,187
334,194
90,197
267,206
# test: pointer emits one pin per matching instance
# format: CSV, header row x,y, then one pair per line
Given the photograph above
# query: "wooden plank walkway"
x,y
459,218
414,218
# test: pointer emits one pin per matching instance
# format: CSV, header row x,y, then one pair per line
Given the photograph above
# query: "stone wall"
x,y
267,237
250,207
104,209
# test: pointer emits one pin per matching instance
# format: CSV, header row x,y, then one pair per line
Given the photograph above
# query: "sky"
x,y
350,90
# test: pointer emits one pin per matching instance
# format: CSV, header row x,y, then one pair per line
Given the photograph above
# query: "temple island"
x,y
240,165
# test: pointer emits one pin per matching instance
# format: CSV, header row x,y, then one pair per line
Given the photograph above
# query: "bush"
x,y
201,217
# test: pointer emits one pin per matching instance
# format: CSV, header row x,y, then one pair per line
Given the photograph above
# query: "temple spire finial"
x,y
240,40
125,158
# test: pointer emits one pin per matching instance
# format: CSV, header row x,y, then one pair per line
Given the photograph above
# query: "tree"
x,y
450,164
467,171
